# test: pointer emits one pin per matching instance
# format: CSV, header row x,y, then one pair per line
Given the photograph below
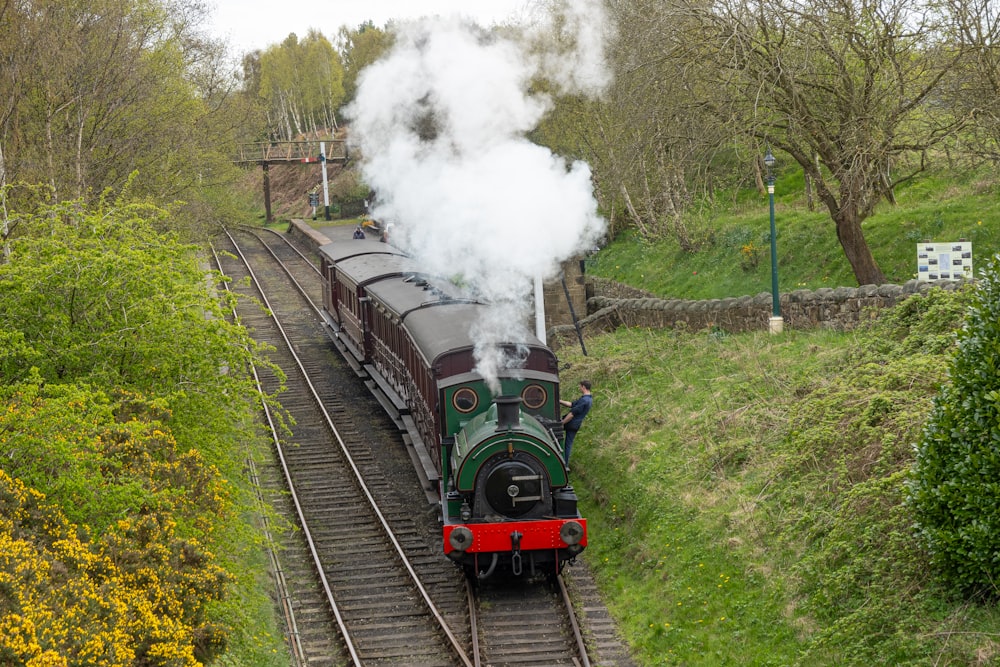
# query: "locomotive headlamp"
x,y
571,533
465,512
460,538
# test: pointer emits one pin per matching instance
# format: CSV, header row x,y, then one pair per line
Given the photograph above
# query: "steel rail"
x,y
345,633
443,624
580,644
470,595
292,246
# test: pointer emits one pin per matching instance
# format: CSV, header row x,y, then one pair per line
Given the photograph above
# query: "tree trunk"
x,y
80,128
4,224
50,155
852,240
758,175
636,218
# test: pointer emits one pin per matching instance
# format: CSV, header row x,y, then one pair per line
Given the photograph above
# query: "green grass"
x,y
745,494
734,257
674,414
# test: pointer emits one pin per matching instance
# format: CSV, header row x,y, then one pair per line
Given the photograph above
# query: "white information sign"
x,y
944,261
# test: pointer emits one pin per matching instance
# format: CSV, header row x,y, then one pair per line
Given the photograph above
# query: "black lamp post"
x,y
776,323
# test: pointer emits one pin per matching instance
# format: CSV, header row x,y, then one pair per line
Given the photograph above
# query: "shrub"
x,y
136,598
954,489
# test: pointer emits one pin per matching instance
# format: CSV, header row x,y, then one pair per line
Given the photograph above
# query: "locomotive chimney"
x,y
508,412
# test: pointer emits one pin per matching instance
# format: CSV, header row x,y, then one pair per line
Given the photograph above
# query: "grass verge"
x,y
746,494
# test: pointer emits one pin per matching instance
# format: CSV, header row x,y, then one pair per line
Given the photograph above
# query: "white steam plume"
x,y
441,123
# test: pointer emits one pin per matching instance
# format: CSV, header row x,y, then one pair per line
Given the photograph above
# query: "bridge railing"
x,y
291,151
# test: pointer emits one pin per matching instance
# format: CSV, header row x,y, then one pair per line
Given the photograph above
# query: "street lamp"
x,y
776,323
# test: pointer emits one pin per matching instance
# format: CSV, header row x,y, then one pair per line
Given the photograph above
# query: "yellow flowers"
x,y
749,256
105,604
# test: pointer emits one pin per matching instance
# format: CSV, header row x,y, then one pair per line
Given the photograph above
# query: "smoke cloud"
x,y
442,124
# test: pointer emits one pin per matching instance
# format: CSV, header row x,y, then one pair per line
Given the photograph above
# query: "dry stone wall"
x,y
612,305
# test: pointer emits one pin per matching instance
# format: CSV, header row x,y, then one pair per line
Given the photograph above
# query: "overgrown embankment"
x,y
746,493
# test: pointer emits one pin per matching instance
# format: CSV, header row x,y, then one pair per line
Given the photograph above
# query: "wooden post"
x,y
267,191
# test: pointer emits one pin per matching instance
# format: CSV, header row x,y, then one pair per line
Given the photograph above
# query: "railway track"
x,y
364,581
375,609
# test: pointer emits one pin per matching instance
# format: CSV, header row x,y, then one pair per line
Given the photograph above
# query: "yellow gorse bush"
x,y
136,594
70,602
116,429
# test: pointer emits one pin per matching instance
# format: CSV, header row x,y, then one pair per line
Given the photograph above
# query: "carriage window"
x,y
465,400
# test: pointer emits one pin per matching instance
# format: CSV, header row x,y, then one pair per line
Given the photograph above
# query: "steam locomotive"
x,y
492,463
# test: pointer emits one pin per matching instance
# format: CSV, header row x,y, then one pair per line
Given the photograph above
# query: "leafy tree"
x,y
102,295
358,49
954,489
301,83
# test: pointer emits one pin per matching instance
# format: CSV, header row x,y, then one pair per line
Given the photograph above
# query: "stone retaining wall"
x,y
302,229
841,308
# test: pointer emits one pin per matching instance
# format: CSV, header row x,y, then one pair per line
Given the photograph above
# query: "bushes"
x,y
135,598
955,489
137,592
122,513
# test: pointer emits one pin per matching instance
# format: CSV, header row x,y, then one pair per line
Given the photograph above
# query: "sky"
x,y
256,24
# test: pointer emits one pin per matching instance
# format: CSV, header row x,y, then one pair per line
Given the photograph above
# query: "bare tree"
x,y
845,87
650,157
93,90
973,90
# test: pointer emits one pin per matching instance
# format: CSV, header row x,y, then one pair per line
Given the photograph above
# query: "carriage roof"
x,y
338,251
438,313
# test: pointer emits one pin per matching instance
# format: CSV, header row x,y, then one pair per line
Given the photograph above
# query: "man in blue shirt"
x,y
573,420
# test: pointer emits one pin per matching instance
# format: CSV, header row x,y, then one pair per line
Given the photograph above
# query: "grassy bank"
x,y
746,495
733,257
